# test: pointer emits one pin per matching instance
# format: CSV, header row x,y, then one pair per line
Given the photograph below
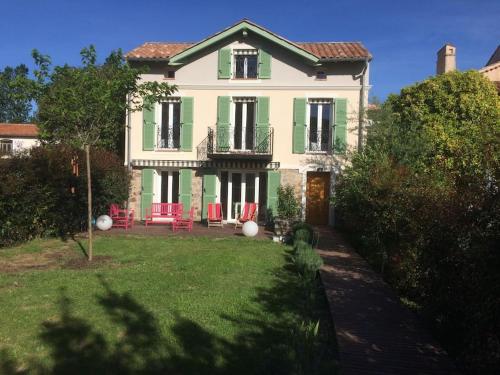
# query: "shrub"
x,y
422,205
288,207
299,245
36,195
303,227
307,261
302,234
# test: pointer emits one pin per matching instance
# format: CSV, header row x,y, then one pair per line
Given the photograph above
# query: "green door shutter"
x,y
148,127
223,123
340,133
273,182
262,128
209,191
185,177
186,123
264,64
299,125
225,63
146,190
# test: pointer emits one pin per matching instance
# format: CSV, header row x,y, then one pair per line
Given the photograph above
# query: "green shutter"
x,y
225,63
146,190
185,178
273,182
299,125
264,64
223,123
186,123
148,128
209,191
262,128
340,133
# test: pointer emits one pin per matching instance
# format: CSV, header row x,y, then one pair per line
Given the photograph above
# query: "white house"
x,y
17,137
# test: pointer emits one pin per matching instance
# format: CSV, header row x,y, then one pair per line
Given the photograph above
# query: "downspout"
x,y
362,106
127,130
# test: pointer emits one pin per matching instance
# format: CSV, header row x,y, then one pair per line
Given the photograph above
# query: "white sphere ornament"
x,y
104,222
250,229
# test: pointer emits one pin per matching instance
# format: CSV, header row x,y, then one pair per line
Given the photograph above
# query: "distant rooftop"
x,y
18,130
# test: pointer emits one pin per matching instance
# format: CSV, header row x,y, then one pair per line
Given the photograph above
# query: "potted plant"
x,y
287,209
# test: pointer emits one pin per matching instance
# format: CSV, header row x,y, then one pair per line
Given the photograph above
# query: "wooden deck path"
x,y
375,333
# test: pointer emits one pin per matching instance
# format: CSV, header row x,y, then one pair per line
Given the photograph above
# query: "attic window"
x,y
321,75
245,63
170,74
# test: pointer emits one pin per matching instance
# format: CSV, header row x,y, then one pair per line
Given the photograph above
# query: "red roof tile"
x,y
322,50
18,130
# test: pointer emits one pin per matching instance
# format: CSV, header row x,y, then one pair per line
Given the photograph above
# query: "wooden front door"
x,y
318,198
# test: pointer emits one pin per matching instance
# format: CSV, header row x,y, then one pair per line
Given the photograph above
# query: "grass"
x,y
156,305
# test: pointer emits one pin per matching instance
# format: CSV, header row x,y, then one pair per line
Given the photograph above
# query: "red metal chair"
x,y
121,217
214,215
183,222
249,213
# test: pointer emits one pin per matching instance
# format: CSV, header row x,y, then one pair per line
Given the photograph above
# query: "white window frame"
x,y
244,100
4,147
320,102
229,215
159,116
244,52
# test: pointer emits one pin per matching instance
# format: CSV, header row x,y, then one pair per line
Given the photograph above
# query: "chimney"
x,y
446,61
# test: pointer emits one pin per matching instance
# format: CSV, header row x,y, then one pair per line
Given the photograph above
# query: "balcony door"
x,y
243,131
169,131
236,188
319,125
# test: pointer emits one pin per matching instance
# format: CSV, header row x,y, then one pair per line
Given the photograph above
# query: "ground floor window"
x,y
167,186
237,188
5,146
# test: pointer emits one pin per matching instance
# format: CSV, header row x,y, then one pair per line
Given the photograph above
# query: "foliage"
x,y
303,234
422,204
36,192
86,105
288,207
17,92
160,305
303,226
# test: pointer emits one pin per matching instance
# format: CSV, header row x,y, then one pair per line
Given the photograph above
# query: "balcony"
x,y
252,144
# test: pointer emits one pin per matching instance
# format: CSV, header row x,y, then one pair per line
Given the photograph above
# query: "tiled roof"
x,y
337,50
18,130
157,50
322,50
495,57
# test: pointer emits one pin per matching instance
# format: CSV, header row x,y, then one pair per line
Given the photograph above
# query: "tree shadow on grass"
x,y
268,339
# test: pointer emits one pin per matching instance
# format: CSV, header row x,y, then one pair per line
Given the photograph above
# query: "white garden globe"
x,y
104,222
250,229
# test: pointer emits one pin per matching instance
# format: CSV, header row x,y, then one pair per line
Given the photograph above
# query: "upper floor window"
x,y
320,75
319,125
5,146
169,130
245,63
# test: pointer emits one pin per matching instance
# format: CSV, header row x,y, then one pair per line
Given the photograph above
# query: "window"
x,y
169,130
245,64
321,75
319,125
170,74
5,146
169,186
244,124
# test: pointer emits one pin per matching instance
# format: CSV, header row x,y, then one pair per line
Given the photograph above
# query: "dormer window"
x,y
245,64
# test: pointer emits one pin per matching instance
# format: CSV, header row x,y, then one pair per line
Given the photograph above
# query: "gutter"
x,y
362,107
128,130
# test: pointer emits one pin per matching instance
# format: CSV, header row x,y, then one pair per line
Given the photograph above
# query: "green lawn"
x,y
157,305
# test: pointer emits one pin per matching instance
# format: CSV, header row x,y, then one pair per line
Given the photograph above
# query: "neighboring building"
x,y
252,111
17,137
446,62
492,68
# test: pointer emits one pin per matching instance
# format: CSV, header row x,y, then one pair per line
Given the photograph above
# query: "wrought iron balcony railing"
x,y
317,141
254,143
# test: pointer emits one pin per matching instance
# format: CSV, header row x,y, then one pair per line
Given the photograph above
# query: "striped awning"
x,y
220,164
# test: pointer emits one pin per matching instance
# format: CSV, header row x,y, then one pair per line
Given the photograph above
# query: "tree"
x,y
17,92
422,203
85,106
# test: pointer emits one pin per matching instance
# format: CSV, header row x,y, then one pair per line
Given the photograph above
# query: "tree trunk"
x,y
89,205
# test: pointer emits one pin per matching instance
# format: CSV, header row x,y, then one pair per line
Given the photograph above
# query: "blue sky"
x,y
403,36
